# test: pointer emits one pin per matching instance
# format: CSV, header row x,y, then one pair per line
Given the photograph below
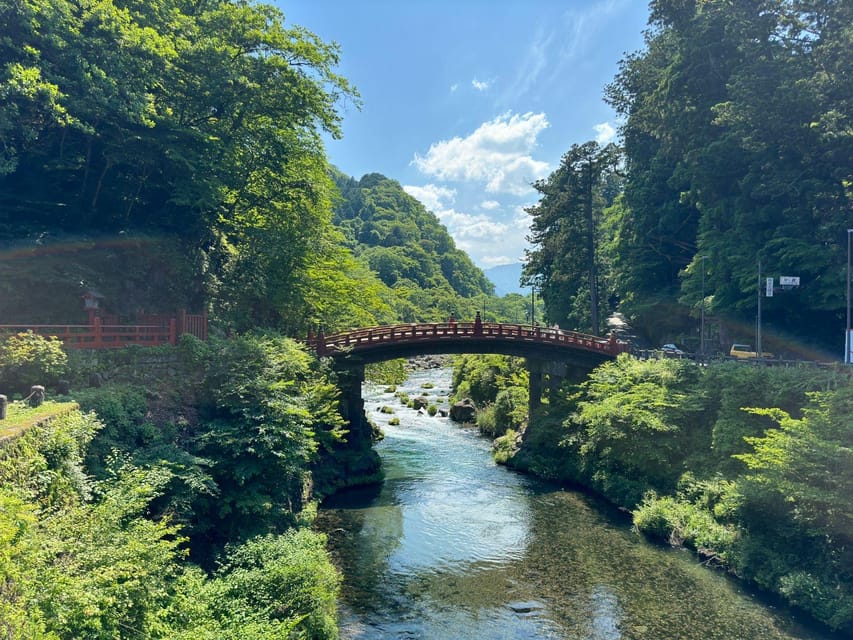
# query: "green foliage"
x,y
409,250
482,377
90,559
760,491
485,421
27,359
504,447
266,416
198,124
18,548
636,425
736,150
286,583
389,372
511,407
810,463
682,522
733,387
566,261
44,465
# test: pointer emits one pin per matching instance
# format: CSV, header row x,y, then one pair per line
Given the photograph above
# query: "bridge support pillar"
x,y
350,379
556,373
534,370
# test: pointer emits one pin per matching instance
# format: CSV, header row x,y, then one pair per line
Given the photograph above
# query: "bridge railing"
x,y
372,336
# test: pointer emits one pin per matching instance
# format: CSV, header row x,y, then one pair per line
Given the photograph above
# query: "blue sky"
x,y
467,102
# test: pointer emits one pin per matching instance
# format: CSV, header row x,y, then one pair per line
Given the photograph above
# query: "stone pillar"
x,y
556,374
36,395
3,403
350,379
534,369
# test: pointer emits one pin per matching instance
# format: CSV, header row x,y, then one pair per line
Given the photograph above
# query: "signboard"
x,y
789,281
769,293
848,345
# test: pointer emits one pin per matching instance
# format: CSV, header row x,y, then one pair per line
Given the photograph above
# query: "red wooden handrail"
x,y
111,336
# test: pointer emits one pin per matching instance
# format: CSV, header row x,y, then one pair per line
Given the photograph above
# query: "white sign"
x,y
789,281
769,293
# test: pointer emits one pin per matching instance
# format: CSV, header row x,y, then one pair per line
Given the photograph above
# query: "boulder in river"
x,y
463,411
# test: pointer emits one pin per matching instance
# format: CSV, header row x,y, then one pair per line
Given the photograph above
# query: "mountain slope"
x,y
407,247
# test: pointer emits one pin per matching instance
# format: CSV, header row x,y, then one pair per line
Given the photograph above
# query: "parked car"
x,y
670,349
745,351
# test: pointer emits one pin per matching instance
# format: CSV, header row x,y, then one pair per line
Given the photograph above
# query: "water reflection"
x,y
451,546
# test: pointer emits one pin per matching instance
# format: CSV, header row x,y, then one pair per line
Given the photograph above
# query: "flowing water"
x,y
452,546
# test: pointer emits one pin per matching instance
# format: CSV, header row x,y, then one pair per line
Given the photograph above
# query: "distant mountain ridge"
x,y
506,278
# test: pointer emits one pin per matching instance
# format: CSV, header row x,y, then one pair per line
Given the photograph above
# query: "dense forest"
x,y
191,132
737,149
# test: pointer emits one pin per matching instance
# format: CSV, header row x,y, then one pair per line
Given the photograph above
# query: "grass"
x,y
20,417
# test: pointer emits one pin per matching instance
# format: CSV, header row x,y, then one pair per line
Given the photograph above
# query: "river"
x,y
452,546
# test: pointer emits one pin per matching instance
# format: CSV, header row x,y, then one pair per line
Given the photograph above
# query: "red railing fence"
x,y
150,331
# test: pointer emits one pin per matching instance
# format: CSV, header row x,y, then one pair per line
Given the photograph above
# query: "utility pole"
x,y
847,332
758,324
532,305
702,312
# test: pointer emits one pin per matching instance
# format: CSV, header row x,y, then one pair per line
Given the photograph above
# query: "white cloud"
x,y
498,154
481,85
479,235
454,87
490,205
605,132
432,196
558,45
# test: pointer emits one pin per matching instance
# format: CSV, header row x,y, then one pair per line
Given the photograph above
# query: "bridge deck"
x,y
432,333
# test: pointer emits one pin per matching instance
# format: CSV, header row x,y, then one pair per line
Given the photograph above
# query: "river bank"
x,y
748,467
452,545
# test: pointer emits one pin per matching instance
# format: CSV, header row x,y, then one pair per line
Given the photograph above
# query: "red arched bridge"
x,y
374,344
551,354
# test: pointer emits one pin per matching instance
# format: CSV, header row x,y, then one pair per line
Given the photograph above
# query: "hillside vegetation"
x,y
749,466
736,164
409,249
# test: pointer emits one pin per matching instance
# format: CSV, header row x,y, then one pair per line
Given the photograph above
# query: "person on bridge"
x,y
478,324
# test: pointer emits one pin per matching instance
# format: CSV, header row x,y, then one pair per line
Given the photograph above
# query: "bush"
x,y
287,579
27,359
511,409
485,420
504,447
684,523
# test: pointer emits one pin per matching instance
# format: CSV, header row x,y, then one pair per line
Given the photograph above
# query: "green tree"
x,y
200,121
567,254
737,149
796,493
27,359
267,414
410,251
635,425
